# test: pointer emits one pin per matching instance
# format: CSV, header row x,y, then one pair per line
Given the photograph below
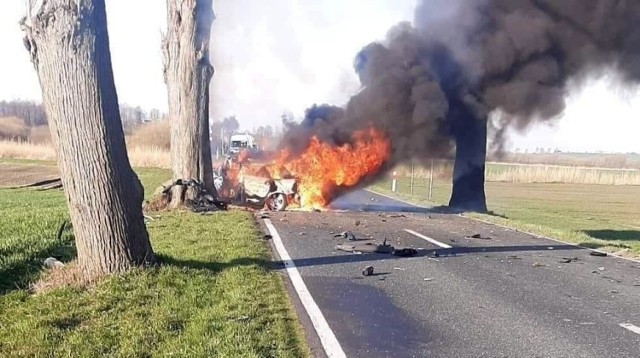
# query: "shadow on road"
x,y
437,253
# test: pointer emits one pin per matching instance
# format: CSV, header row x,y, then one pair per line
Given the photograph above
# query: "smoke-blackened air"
x,y
473,58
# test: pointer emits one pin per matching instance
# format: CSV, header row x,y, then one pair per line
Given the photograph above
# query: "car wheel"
x,y
277,202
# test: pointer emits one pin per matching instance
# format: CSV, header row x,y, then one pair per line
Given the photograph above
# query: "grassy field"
x,y
597,216
214,294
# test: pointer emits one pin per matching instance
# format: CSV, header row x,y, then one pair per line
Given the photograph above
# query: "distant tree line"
x,y
135,116
30,112
33,114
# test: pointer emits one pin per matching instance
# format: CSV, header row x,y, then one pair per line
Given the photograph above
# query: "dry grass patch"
x,y
529,173
25,150
555,174
592,160
56,278
13,128
138,156
149,157
40,135
151,135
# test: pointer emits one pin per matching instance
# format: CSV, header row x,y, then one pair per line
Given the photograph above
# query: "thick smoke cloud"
x,y
474,58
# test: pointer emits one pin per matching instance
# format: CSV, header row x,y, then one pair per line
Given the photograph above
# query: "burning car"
x,y
275,194
241,184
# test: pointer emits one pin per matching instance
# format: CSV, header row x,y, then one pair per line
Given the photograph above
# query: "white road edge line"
x,y
433,241
328,339
629,326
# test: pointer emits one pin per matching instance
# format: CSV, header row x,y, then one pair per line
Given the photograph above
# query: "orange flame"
x,y
324,169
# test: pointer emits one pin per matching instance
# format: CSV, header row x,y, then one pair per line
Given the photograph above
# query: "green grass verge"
x,y
595,216
213,296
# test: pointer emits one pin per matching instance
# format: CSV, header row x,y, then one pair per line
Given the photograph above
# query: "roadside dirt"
x,y
12,175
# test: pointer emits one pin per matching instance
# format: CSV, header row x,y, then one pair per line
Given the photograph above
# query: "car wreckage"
x,y
256,191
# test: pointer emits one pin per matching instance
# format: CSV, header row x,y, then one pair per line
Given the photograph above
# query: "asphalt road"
x,y
508,295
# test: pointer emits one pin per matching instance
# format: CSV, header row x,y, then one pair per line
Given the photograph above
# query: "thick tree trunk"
x,y
468,173
188,72
69,47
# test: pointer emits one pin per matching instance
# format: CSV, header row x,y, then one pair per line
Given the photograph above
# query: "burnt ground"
x,y
510,294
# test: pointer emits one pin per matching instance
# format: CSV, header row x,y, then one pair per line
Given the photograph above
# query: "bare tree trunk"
x,y
69,46
187,73
468,172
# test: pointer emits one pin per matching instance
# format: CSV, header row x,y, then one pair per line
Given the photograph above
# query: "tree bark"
x,y
187,73
69,47
468,192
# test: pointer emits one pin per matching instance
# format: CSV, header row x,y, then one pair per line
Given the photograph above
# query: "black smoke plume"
x,y
432,85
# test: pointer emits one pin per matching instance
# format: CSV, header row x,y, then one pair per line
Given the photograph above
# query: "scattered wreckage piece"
x,y
201,200
53,263
598,253
368,271
372,247
346,235
477,236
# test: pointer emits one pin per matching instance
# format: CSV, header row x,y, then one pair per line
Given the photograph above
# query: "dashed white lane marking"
x,y
328,339
632,328
427,238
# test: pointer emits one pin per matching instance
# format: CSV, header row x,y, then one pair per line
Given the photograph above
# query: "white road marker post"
x,y
394,182
431,180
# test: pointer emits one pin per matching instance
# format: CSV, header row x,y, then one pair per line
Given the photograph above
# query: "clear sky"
x,y
273,56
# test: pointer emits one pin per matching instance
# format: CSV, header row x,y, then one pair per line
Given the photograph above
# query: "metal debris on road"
x,y
601,268
368,271
368,247
537,264
372,247
478,236
568,260
346,235
399,269
392,215
598,253
429,279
